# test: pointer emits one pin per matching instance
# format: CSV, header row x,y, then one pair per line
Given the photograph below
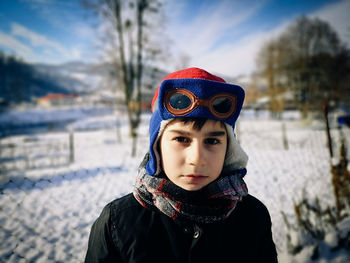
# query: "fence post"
x,y
117,124
71,146
118,113
284,136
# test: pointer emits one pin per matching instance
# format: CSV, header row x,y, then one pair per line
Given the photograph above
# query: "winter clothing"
x,y
203,85
161,222
212,203
127,232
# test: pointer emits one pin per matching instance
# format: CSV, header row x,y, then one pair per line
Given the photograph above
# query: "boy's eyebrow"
x,y
216,133
211,133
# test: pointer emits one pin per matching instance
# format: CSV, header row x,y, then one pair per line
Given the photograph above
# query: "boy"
x,y
190,203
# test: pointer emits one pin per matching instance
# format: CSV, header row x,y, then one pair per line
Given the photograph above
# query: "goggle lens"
x,y
180,101
222,105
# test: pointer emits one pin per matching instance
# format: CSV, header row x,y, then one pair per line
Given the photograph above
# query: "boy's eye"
x,y
211,141
182,139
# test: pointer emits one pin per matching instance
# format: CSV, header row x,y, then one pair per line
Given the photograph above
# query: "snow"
x,y
331,239
47,209
344,227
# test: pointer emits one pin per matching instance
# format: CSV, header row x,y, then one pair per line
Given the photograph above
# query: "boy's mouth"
x,y
195,175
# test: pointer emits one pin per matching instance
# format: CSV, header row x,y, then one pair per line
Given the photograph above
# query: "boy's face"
x,y
192,158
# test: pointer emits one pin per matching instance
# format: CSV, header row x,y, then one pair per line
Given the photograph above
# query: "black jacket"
x,y
128,232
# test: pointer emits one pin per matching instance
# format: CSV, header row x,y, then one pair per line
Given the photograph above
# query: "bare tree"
x,y
127,41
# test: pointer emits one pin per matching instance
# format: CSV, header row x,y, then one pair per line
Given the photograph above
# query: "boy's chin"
x,y
191,183
192,187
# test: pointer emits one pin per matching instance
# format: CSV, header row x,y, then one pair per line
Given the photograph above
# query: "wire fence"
x,y
287,162
34,153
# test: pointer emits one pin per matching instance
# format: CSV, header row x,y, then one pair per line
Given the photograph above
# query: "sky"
x,y
220,36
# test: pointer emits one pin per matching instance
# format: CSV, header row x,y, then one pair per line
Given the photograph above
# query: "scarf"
x,y
212,203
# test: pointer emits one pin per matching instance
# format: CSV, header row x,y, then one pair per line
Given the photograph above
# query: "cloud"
x,y
337,14
37,40
10,43
205,37
34,47
52,11
83,31
239,57
233,59
211,24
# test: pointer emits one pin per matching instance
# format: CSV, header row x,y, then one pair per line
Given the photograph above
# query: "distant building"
x,y
57,100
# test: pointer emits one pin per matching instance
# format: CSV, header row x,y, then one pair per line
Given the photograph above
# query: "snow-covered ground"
x,y
46,212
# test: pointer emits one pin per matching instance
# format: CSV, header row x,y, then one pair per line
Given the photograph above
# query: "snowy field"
x,y
47,207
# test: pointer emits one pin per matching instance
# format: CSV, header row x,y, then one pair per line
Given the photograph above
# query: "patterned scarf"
x,y
212,203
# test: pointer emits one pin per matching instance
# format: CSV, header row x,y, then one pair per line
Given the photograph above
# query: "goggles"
x,y
180,102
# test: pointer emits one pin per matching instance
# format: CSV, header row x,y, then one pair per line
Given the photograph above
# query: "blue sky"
x,y
221,36
52,31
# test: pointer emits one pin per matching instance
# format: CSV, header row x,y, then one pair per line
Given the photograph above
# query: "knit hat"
x,y
194,92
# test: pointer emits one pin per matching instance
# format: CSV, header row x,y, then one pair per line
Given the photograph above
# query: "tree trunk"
x,y
131,70
127,74
141,5
329,138
284,136
134,145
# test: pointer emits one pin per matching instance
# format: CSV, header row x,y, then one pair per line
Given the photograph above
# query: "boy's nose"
x,y
196,154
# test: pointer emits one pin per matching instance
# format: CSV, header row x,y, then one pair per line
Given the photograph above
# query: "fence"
x,y
34,152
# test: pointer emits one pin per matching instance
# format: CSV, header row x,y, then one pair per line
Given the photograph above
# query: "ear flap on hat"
x,y
156,163
235,158
154,126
